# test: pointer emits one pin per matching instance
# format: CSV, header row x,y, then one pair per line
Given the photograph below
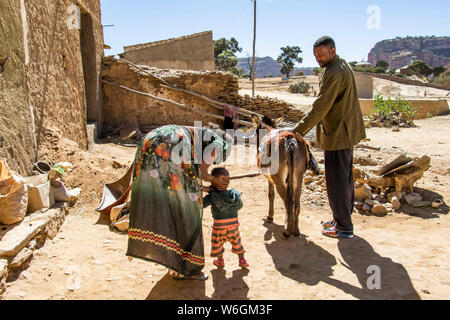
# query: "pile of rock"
x,y
376,204
394,121
271,107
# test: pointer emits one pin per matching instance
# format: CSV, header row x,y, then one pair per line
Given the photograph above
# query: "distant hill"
x,y
399,52
266,66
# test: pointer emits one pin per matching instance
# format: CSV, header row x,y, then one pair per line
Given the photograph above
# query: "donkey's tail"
x,y
291,144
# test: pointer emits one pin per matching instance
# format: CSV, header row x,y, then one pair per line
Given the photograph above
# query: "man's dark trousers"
x,y
339,176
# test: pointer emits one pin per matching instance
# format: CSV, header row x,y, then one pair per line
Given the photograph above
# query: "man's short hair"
x,y
325,41
220,171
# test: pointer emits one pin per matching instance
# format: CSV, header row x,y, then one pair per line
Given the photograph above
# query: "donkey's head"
x,y
265,123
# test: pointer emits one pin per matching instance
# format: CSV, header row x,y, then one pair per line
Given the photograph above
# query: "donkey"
x,y
291,152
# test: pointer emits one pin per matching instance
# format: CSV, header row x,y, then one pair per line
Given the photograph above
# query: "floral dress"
x,y
166,197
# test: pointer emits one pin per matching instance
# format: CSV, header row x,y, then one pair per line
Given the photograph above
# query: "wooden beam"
x,y
213,102
248,175
175,103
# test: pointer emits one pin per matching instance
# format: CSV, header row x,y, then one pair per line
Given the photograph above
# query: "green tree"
x,y
225,54
382,64
353,63
437,71
288,57
420,68
317,71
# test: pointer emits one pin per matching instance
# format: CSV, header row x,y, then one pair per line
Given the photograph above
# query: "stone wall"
x,y
403,80
125,107
17,141
122,106
58,53
192,52
55,50
422,107
270,107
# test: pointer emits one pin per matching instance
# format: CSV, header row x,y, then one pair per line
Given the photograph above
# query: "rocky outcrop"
x,y
399,52
266,66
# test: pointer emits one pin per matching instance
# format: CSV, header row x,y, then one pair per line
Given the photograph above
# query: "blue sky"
x,y
279,23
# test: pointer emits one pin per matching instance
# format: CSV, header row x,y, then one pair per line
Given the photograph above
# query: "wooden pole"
x,y
248,175
248,124
254,46
214,103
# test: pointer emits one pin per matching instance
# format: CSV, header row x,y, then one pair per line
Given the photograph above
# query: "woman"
x,y
166,197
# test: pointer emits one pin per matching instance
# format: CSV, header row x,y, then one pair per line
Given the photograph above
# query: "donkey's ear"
x,y
278,121
256,121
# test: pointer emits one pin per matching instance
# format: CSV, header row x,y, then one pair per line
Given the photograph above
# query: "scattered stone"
x,y
359,203
396,194
3,275
20,258
426,291
372,202
421,204
366,208
379,210
363,192
412,198
395,203
396,129
308,179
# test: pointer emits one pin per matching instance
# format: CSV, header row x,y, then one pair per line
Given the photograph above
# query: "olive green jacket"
x,y
336,112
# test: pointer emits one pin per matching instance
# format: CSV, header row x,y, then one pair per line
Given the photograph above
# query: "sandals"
x,y
243,264
328,224
334,233
219,263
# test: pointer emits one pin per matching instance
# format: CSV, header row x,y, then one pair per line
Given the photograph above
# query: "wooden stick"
x,y
170,86
248,175
176,103
147,72
213,103
363,146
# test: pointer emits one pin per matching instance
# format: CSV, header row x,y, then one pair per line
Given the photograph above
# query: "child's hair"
x,y
220,171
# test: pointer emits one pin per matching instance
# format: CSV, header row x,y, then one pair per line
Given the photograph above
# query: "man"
x,y
340,126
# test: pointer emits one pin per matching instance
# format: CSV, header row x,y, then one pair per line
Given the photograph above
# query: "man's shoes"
x,y
334,233
328,224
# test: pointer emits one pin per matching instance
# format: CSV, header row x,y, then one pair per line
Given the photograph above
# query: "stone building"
x,y
51,78
192,52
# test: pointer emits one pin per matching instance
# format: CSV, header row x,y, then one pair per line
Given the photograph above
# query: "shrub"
x,y
300,87
389,109
443,79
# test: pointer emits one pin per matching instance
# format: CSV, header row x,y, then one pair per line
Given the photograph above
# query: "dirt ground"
x,y
409,246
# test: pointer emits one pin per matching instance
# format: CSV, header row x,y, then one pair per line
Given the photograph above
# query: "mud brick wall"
x,y
51,81
121,106
192,52
17,141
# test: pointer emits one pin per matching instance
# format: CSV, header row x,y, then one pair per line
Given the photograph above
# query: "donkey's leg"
x,y
299,169
271,202
282,191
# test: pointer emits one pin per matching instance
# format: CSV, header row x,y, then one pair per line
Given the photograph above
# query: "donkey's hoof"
x,y
296,234
269,219
284,235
